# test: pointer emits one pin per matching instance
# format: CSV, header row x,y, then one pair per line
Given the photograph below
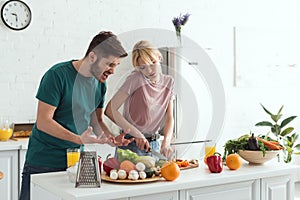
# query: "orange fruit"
x,y
127,166
170,171
233,161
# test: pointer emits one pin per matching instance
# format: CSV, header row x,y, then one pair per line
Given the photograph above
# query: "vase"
x,y
179,42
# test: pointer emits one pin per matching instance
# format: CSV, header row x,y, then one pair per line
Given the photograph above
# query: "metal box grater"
x,y
88,175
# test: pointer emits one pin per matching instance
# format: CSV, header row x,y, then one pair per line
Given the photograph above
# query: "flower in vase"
x,y
180,21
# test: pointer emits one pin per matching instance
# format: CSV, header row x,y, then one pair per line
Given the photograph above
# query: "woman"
x,y
147,95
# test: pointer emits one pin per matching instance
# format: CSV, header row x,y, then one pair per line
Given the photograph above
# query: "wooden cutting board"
x,y
190,166
104,177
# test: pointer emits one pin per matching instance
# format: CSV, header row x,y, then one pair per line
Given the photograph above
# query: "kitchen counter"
x,y
272,180
20,144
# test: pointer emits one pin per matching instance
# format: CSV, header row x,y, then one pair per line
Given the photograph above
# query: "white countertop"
x,y
58,183
22,143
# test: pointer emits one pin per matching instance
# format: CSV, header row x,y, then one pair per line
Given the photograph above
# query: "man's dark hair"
x,y
106,44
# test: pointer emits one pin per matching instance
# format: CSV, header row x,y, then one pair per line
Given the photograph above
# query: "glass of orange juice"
x,y
210,149
6,129
73,155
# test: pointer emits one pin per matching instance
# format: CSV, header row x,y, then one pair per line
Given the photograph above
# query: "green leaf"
x,y
289,149
287,131
276,117
297,147
279,111
264,123
288,138
288,141
287,120
266,110
295,135
273,130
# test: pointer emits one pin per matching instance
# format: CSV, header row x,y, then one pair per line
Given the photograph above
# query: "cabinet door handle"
x,y
1,175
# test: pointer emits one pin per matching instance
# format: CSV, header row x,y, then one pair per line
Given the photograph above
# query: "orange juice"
x,y
73,156
210,149
5,134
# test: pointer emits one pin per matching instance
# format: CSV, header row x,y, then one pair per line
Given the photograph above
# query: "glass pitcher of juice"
x,y
210,149
6,129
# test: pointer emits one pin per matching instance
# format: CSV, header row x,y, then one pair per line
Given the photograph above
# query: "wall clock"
x,y
16,14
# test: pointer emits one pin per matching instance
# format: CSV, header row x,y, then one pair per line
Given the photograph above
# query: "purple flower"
x,y
184,18
176,21
180,21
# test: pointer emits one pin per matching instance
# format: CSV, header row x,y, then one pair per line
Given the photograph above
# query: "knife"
x,y
199,141
157,154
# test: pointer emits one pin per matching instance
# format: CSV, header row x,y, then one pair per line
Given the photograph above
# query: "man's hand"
x,y
121,141
87,138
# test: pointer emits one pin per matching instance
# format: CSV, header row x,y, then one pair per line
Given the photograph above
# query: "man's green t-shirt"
x,y
75,98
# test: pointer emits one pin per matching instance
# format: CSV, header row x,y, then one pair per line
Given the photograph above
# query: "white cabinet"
x,y
277,188
273,188
22,154
165,195
12,157
247,190
9,168
40,193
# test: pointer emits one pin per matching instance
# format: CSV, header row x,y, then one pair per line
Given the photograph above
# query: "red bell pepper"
x,y
109,164
214,163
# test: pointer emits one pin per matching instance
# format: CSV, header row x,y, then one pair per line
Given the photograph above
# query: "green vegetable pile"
x,y
244,142
126,155
232,146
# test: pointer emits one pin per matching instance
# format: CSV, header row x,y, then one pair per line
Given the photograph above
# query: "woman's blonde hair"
x,y
145,51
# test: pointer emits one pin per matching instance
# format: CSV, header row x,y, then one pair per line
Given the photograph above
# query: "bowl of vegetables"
x,y
257,157
254,149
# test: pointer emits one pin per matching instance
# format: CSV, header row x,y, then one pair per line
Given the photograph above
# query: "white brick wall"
x,y
61,30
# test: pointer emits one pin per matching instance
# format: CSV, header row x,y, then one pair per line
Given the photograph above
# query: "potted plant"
x,y
284,135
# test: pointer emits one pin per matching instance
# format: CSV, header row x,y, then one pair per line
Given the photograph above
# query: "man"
x,y
70,107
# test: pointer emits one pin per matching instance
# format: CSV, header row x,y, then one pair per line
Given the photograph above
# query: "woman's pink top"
x,y
147,102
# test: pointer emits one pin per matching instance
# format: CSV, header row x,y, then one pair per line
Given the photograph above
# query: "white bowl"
x,y
257,157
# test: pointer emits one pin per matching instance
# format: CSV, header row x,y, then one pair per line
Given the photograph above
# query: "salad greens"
x,y
242,143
